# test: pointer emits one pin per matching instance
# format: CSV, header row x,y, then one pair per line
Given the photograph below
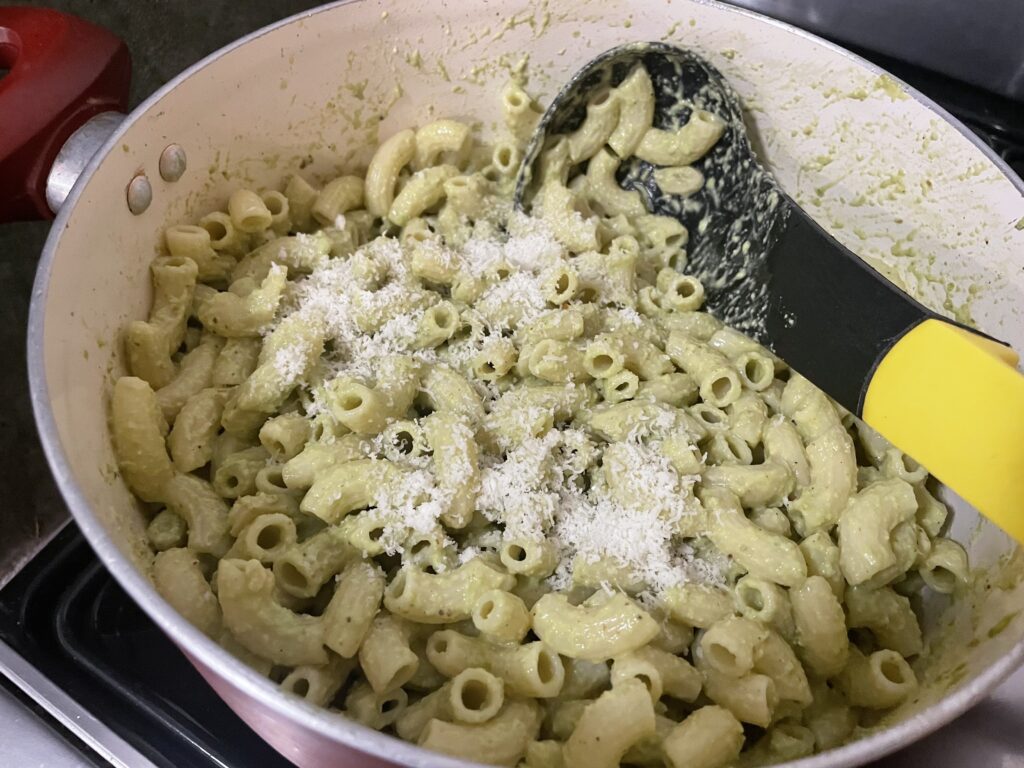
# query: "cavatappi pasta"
x,y
492,482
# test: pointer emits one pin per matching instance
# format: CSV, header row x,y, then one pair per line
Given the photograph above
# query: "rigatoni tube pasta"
x,y
493,481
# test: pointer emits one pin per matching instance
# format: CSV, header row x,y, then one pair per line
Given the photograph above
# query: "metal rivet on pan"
x,y
140,194
172,162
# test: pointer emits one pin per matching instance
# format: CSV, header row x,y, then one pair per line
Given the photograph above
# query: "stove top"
x,y
67,618
116,691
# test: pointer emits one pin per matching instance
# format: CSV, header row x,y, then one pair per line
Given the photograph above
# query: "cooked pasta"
x,y
447,468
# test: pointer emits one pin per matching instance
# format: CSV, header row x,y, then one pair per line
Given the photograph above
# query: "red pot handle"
x,y
63,71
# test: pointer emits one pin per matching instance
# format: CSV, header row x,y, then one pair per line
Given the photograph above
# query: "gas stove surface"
x,y
68,619
88,680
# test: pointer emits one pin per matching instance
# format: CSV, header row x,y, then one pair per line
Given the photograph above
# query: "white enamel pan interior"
x,y
883,168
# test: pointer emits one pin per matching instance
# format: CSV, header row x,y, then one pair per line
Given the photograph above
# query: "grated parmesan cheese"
x,y
540,489
533,494
410,507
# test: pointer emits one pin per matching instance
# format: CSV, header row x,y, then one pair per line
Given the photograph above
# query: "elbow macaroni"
x,y
442,464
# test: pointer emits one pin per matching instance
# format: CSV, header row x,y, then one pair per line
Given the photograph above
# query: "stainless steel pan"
x,y
855,147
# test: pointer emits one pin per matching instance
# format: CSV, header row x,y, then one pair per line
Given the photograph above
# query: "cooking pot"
x,y
887,171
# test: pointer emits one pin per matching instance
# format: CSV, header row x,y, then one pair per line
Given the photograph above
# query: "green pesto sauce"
x,y
1002,624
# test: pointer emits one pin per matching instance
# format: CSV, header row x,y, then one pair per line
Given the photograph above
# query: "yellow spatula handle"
x,y
955,402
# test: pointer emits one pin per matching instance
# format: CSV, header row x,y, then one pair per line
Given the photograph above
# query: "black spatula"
x,y
943,393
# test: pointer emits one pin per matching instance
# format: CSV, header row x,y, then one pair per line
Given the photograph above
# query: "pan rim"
x,y
220,663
